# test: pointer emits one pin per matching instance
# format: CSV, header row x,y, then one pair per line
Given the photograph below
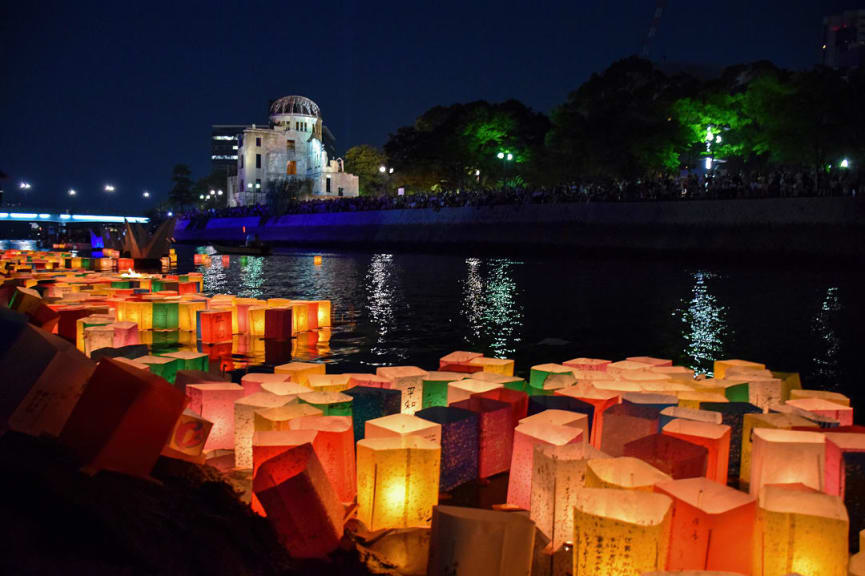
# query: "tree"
x,y
181,193
364,161
216,180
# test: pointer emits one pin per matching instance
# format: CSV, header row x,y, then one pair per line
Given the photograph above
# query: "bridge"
x,y
69,218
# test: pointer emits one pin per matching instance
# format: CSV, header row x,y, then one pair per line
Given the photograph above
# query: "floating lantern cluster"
x,y
614,468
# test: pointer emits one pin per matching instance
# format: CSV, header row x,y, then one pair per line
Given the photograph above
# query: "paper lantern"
x,y
435,387
300,371
125,333
252,382
330,403
409,381
518,401
812,417
468,541
538,404
188,437
323,313
712,526
733,415
721,366
545,378
397,481
285,388
280,417
367,380
653,362
161,366
591,364
369,403
96,337
752,421
270,444
626,366
620,533
244,423
694,399
835,397
83,323
463,389
165,315
509,382
137,311
458,358
803,532
672,412
624,473
558,473
300,503
123,419
857,562
66,324
826,408
189,360
600,400
328,382
495,434
403,425
278,323
215,402
560,418
674,456
678,373
501,366
256,320
655,401
787,457
334,446
460,443
715,438
624,423
765,392
526,436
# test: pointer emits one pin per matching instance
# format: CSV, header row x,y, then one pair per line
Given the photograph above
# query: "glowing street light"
x,y
72,192
845,163
382,169
500,155
510,156
146,194
109,188
25,186
201,196
219,192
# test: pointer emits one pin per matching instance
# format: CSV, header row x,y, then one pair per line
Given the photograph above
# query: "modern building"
x,y
287,158
844,40
223,147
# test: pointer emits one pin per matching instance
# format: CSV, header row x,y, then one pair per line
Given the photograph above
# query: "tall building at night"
x,y
287,157
223,147
844,40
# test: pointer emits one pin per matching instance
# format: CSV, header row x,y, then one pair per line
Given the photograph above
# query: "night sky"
x,y
119,92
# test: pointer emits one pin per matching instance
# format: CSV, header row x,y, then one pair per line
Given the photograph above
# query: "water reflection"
x,y
828,342
251,276
490,306
705,324
380,293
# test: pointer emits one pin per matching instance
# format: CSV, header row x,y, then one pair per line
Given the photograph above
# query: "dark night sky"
x,y
121,91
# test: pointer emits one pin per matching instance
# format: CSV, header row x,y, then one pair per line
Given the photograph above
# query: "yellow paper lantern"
x,y
620,533
328,382
463,389
787,457
187,320
752,421
501,366
403,425
721,366
397,481
857,562
255,321
300,371
835,397
800,532
280,417
624,473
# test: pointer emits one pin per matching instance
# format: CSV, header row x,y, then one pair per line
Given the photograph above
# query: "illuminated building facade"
x,y
223,147
287,158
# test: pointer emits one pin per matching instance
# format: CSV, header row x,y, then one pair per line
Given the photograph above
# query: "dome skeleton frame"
x,y
295,105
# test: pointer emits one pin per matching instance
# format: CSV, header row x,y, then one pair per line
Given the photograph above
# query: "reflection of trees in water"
x,y
705,324
490,305
380,292
251,276
823,325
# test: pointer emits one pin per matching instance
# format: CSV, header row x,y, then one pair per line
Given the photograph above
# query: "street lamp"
x,y
500,155
845,163
109,188
146,194
72,192
25,185
219,192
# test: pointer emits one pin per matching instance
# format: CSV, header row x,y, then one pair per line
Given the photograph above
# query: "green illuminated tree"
x,y
364,161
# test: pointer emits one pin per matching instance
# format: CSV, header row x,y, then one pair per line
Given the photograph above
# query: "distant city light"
x,y
844,163
72,192
708,163
201,196
219,192
382,169
25,186
170,213
510,156
500,155
390,170
109,188
213,192
477,172
146,194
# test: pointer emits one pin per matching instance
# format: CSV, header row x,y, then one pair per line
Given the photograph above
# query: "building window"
x,y
258,183
291,168
297,126
258,141
327,185
241,161
289,144
339,190
258,160
241,184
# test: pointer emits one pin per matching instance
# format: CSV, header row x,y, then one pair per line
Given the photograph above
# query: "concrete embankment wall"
x,y
791,226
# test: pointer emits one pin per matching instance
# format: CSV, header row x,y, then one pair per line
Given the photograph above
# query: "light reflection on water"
x,y
704,322
491,305
828,341
380,294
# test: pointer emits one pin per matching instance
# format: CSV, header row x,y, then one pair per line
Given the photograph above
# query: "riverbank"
x,y
832,226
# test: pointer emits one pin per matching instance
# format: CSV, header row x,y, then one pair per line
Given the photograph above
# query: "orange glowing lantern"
x,y
256,321
215,325
270,444
300,502
715,438
329,382
334,446
284,388
187,314
397,481
323,312
214,401
712,526
825,408
457,359
502,366
244,423
300,371
526,437
279,418
721,366
125,333
463,389
750,422
620,533
835,397
599,399
787,457
588,364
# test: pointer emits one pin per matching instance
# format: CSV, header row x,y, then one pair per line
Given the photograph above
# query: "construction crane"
x,y
653,27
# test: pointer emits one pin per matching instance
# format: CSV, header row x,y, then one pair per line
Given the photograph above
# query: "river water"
x,y
412,308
